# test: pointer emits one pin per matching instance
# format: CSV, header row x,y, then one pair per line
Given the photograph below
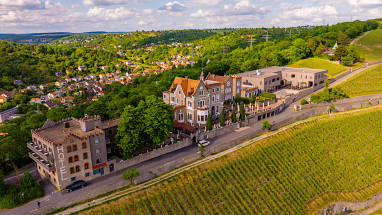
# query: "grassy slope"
x,y
370,46
365,83
297,171
316,63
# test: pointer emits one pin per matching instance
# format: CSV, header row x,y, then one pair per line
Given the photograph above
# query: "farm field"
x,y
297,171
316,63
370,46
365,83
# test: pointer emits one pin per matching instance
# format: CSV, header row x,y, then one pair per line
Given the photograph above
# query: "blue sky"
x,y
28,16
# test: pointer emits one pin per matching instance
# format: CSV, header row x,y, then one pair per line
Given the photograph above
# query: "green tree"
x,y
2,184
28,181
58,113
341,51
332,108
242,112
130,174
303,102
209,123
267,125
233,116
222,119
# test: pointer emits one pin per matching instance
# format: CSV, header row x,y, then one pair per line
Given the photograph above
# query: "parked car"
x,y
76,185
204,143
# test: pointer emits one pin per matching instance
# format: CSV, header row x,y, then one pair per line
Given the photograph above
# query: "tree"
x,y
266,125
233,116
343,39
57,113
347,60
130,174
201,149
28,181
332,108
303,102
242,112
150,122
340,52
209,123
222,119
2,184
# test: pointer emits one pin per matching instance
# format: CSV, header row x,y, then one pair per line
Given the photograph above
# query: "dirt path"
x,y
359,37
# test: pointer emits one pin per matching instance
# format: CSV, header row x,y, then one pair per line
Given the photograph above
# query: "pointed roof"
x,y
218,78
188,85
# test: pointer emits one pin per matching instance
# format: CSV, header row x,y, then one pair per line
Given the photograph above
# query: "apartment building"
x,y
194,100
273,78
73,149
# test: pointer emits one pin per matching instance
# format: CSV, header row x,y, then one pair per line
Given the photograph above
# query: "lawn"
x,y
297,171
365,83
370,46
316,63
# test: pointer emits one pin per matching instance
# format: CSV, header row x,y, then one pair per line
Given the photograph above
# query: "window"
x,y
164,96
217,109
69,148
238,91
77,168
182,102
71,170
218,89
213,90
96,141
238,83
74,148
85,155
70,159
213,98
172,99
87,174
217,97
177,101
76,158
189,104
278,78
202,118
86,165
228,83
98,161
293,76
98,151
201,93
180,117
261,82
273,80
73,179
201,103
84,145
189,116
179,92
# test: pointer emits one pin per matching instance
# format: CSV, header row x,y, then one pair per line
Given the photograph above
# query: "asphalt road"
x,y
52,196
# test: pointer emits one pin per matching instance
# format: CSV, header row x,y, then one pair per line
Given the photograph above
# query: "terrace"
x,y
40,152
41,161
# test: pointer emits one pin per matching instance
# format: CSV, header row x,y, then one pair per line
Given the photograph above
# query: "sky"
x,y
35,16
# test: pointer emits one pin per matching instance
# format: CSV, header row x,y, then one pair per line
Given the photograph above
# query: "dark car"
x,y
76,185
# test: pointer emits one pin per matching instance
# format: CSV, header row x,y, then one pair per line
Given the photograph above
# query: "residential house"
x,y
104,67
82,68
44,98
17,82
51,104
35,101
61,83
3,99
7,115
67,99
7,95
58,74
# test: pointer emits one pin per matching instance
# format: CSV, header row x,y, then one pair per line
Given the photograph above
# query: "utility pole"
x,y
267,36
251,40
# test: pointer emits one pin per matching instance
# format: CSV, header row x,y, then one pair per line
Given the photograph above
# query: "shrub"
x,y
233,116
222,119
266,125
303,102
209,123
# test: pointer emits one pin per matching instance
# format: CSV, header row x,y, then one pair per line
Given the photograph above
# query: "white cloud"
x,y
109,2
365,3
20,4
201,13
109,14
310,13
244,7
173,7
205,2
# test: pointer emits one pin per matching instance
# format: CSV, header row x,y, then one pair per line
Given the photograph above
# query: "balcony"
x,y
41,161
40,152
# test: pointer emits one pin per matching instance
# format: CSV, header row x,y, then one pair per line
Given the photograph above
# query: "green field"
x,y
316,63
297,171
370,46
365,83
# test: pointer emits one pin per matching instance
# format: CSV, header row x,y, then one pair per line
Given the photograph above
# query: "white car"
x,y
204,143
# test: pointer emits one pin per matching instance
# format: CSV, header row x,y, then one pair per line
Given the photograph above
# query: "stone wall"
x,y
152,154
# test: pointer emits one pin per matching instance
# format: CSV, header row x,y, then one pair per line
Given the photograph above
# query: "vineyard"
x,y
297,171
316,63
364,83
370,46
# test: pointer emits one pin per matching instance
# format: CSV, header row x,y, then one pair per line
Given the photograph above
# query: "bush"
x,y
266,125
304,102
